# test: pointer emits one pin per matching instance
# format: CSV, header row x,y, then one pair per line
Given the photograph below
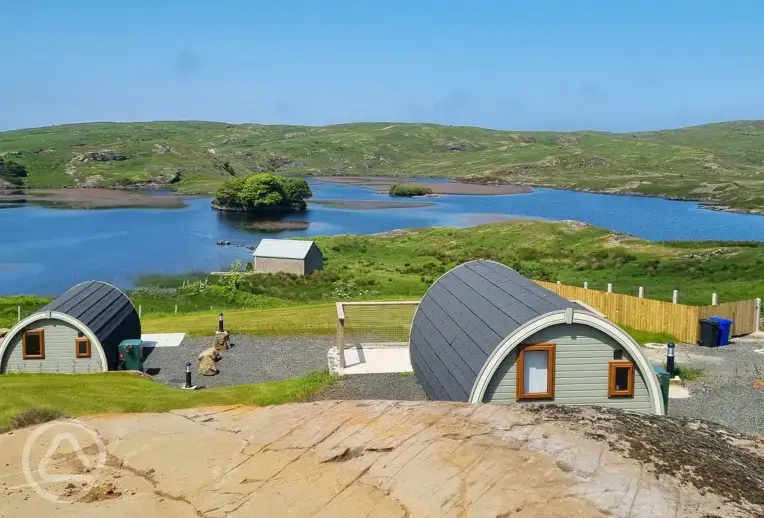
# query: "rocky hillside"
x,y
721,162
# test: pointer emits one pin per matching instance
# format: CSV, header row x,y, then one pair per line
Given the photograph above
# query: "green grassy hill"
x,y
721,162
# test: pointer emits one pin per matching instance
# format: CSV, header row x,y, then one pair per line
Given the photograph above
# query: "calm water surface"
x,y
45,251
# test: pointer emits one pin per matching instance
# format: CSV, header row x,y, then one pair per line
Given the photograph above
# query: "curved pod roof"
x,y
102,312
477,313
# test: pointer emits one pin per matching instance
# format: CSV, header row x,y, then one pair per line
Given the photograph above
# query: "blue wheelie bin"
x,y
725,325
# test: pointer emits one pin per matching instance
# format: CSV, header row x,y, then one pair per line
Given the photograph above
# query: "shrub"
x,y
32,417
12,172
398,189
154,293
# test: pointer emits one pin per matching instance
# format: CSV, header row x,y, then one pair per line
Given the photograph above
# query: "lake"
x,y
45,251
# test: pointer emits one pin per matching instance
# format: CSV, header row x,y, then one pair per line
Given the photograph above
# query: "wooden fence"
x,y
679,320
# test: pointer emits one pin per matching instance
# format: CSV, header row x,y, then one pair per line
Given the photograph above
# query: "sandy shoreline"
x,y
81,198
383,183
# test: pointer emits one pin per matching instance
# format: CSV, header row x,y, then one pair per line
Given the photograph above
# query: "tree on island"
x,y
263,192
12,172
398,189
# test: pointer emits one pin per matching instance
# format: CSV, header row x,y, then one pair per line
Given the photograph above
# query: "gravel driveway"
x,y
726,393
252,359
255,359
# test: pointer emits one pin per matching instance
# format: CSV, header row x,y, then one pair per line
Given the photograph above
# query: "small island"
x,y
409,191
275,226
262,193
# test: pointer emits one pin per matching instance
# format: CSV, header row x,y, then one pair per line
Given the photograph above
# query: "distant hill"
x,y
721,162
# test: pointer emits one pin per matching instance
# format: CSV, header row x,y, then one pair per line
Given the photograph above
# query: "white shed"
x,y
287,255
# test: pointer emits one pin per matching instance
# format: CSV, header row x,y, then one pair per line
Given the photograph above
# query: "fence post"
x,y
176,309
140,311
757,313
641,292
586,285
341,333
19,311
609,287
675,297
714,299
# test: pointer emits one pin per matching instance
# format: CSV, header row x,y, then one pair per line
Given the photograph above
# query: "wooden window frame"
x,y
24,354
611,389
77,342
520,374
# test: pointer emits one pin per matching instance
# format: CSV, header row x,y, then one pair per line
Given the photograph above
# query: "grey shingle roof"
x,y
105,310
464,316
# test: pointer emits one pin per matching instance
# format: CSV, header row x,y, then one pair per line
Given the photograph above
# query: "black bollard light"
x,y
188,375
670,359
220,322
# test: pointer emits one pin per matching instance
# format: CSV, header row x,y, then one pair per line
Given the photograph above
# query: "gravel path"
x,y
726,393
404,387
252,359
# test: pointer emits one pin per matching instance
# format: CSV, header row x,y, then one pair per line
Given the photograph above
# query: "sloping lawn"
x,y
83,394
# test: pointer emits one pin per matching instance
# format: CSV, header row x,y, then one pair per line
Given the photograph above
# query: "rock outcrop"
x,y
104,155
397,459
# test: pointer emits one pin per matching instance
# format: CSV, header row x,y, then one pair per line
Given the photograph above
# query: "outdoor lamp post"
x,y
220,322
670,359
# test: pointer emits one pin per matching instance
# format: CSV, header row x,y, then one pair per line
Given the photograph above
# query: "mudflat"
x,y
92,198
383,183
383,459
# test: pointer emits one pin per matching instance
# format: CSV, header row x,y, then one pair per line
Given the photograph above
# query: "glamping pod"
x,y
485,333
76,333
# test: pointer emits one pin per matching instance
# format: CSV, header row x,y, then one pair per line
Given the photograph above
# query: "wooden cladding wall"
x,y
679,320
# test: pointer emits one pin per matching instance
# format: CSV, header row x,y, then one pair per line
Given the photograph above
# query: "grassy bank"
x,y
122,392
719,162
403,265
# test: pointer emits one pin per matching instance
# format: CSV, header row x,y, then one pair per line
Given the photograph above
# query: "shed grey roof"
x,y
283,248
104,309
464,317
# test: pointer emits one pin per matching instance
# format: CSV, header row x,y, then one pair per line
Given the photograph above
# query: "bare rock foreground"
x,y
397,459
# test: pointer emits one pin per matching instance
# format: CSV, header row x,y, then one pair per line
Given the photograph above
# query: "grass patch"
x,y
124,392
644,337
9,308
32,417
315,319
688,373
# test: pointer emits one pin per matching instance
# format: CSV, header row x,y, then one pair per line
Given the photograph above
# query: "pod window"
x,y
535,372
621,379
33,344
82,347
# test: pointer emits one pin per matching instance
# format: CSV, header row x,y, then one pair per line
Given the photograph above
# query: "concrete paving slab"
x,y
162,339
371,359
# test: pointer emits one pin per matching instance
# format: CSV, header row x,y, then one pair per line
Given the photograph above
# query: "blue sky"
x,y
531,64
